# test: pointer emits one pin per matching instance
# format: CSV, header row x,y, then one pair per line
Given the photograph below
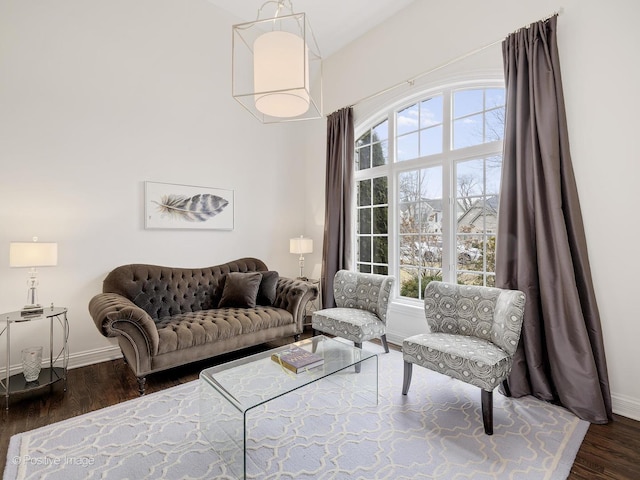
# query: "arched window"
x,y
428,181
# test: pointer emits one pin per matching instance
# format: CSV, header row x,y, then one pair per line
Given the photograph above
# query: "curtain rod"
x,y
412,80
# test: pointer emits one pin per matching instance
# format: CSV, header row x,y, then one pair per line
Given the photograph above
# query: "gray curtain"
x,y
541,247
336,250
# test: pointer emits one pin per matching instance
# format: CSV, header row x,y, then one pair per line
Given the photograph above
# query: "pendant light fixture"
x,y
277,68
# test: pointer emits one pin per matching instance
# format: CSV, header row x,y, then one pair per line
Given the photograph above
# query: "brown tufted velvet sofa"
x,y
164,317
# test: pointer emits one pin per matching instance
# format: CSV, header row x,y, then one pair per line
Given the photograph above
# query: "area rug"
x,y
435,432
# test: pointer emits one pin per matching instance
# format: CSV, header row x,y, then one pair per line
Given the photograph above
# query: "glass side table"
x,y
57,368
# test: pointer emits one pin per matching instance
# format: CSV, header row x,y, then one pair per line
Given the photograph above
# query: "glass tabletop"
x,y
256,379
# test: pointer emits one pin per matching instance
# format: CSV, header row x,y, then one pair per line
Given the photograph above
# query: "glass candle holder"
x,y
31,363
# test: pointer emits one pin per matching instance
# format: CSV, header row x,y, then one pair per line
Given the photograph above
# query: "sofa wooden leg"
x,y
408,370
141,384
296,337
384,343
487,411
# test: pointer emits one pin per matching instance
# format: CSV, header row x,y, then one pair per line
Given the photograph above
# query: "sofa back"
x,y
165,291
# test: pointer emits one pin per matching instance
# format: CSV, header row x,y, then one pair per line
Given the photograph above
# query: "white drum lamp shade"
x,y
281,67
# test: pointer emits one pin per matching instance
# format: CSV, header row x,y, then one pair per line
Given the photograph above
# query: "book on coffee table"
x,y
297,359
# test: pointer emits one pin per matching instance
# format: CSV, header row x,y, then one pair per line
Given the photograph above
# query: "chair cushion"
x,y
473,360
350,323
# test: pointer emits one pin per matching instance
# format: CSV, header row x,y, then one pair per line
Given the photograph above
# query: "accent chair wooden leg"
x,y
384,343
505,387
487,411
408,370
358,365
141,384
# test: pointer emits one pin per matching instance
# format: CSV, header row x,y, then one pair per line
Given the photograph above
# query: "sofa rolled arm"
x,y
293,295
108,310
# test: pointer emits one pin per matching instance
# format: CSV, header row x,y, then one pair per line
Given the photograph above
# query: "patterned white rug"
x,y
435,432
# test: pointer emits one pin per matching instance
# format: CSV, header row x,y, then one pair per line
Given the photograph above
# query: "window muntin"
x,y
453,138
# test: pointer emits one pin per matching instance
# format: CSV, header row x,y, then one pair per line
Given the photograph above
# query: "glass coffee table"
x,y
229,392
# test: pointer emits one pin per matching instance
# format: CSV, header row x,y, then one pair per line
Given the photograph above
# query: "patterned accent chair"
x,y
362,301
474,335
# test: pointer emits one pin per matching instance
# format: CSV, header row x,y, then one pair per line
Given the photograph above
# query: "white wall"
x,y
97,97
597,43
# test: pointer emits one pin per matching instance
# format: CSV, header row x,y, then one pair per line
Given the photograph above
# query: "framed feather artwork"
x,y
168,205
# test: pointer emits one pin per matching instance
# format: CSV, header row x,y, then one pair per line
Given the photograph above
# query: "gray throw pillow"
x,y
267,290
240,290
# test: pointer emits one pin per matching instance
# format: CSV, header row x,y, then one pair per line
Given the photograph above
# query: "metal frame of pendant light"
x,y
308,80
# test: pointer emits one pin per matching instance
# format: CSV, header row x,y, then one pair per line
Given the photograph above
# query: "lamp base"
x,y
31,310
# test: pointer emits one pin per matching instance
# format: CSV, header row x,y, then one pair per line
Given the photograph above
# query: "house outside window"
x,y
427,178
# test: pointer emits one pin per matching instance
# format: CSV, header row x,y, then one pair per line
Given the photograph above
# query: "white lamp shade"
x,y
281,68
33,254
300,245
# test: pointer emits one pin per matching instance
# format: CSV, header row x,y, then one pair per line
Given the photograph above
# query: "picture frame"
x,y
174,206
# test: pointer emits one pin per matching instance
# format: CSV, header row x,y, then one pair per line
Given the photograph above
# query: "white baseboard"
x,y
97,355
626,406
76,360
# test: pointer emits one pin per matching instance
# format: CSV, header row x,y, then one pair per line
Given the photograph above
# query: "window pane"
x,y
380,191
407,147
364,193
365,249
470,177
380,249
409,250
364,268
363,158
467,131
470,214
470,252
470,279
380,153
494,97
490,280
493,172
431,112
466,102
365,139
494,125
364,225
490,253
380,220
381,131
432,251
381,270
408,183
407,120
431,141
409,282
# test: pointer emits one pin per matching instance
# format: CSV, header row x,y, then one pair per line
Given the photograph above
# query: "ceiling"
x,y
335,23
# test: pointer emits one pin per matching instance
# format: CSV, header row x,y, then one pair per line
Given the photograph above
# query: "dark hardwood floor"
x,y
609,451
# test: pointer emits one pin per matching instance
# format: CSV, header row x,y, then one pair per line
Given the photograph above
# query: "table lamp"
x,y
301,245
33,254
